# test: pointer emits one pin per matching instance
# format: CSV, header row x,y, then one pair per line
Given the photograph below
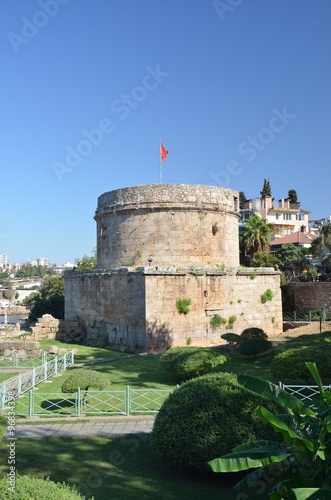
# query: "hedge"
x,y
188,362
31,488
290,364
206,417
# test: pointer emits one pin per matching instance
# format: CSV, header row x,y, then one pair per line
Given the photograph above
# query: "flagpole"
x,y
160,163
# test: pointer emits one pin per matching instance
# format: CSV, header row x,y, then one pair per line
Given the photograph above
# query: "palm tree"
x,y
256,234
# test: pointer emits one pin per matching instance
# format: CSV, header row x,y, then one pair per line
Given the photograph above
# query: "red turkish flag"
x,y
163,152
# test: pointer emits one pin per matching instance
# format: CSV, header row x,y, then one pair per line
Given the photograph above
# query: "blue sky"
x,y
239,91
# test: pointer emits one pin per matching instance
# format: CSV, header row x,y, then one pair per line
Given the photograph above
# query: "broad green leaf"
x,y
247,459
314,371
288,434
258,444
311,493
275,393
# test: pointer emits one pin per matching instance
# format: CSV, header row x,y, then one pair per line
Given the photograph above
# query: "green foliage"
x,y
232,337
256,233
48,300
252,276
253,333
255,346
216,321
30,488
86,263
183,306
188,341
231,322
291,364
292,194
189,362
209,414
85,379
264,259
303,459
267,295
242,199
266,189
27,271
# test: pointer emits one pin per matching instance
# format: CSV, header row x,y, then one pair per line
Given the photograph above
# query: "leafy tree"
x,y
266,190
242,199
303,459
292,194
27,271
86,263
84,379
256,234
48,300
264,259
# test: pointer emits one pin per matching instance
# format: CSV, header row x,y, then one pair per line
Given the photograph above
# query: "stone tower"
x,y
160,244
174,225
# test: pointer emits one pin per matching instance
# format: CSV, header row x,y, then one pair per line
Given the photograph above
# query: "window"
x,y
300,217
287,216
277,215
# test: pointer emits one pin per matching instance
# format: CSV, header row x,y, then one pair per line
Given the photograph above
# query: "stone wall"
x,y
305,296
136,309
47,327
172,224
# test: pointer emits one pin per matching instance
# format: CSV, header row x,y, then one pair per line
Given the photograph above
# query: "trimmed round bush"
x,y
253,333
290,364
85,379
205,418
255,346
189,362
30,488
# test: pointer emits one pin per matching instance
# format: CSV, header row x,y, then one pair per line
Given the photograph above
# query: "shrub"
x,y
232,337
183,306
231,322
267,295
255,346
84,379
188,362
204,416
253,333
291,364
29,488
216,321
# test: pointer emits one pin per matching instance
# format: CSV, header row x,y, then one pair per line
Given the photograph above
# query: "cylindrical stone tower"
x,y
168,225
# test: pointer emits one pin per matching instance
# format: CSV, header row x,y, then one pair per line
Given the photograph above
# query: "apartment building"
x,y
286,217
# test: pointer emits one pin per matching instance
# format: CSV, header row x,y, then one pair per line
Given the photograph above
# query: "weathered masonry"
x,y
160,244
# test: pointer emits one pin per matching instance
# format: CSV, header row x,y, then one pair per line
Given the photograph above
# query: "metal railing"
x,y
16,360
306,393
128,401
309,316
25,381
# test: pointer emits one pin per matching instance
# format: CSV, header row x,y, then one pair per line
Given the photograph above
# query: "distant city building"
x,y
3,260
42,261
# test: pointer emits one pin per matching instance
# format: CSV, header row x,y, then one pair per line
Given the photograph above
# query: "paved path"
x,y
84,430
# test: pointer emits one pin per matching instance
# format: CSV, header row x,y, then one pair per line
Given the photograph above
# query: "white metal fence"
x,y
28,380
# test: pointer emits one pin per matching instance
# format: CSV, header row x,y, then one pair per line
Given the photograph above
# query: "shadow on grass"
x,y
121,468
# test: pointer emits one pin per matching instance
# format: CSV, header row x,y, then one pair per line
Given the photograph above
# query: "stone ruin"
x,y
158,245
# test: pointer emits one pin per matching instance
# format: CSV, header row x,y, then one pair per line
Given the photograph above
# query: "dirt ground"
x,y
292,331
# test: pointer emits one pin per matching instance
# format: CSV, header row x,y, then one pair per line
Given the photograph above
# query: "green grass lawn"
x,y
6,376
124,468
